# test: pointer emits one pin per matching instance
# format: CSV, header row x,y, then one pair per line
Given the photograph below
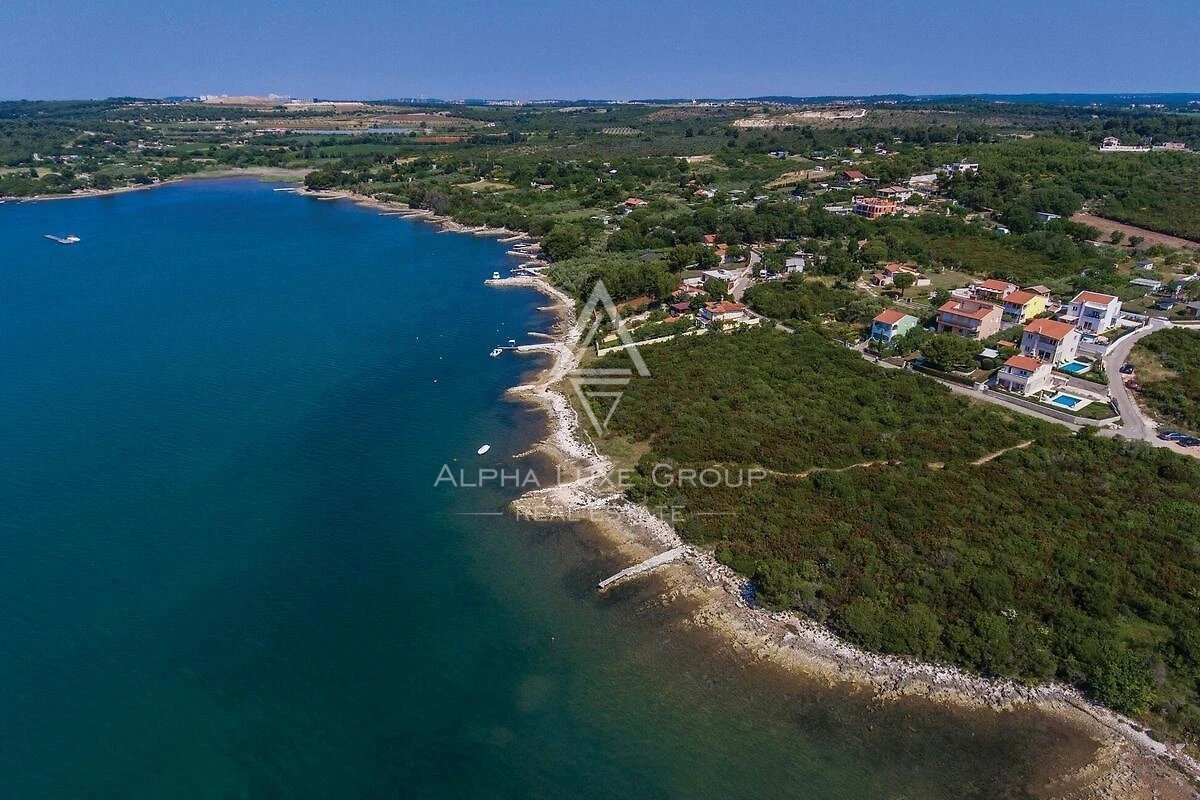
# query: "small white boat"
x,y
495,352
484,449
68,239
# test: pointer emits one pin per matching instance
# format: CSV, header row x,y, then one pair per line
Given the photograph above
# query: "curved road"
x,y
1134,423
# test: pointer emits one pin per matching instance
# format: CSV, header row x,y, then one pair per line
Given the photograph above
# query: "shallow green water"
x,y
225,571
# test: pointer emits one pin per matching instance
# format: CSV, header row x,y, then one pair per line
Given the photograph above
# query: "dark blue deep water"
x,y
225,571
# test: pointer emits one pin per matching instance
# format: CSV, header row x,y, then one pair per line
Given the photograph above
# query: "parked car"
x,y
1188,441
1133,385
1127,368
1169,436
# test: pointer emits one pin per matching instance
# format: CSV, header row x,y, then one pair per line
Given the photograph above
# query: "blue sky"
x,y
615,50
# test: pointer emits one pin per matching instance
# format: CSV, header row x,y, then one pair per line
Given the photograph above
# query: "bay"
x,y
226,571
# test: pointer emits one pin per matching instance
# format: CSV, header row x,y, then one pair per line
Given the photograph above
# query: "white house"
x,y
1050,340
925,184
1146,283
1093,312
1024,375
898,193
727,275
723,311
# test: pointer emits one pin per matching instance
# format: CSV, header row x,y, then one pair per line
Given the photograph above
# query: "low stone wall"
x,y
1042,408
948,376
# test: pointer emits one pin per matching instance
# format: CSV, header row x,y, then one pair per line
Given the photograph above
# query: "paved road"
x,y
1134,424
974,394
743,283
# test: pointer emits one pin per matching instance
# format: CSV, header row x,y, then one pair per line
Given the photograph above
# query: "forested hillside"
x,y
1046,562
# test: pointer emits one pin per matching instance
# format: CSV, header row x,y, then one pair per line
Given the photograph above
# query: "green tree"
x,y
1120,680
903,281
563,241
1116,237
947,350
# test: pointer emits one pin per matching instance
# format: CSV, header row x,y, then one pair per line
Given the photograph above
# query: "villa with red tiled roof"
x,y
887,275
1024,375
1093,312
723,311
1022,306
889,324
973,319
1050,340
994,290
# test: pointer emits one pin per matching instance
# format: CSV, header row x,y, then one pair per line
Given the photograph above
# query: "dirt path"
x,y
1107,226
814,470
864,464
991,456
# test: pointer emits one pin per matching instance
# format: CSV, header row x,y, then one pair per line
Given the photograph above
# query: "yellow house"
x,y
1022,306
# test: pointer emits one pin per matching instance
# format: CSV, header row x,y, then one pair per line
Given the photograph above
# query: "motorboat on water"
x,y
483,450
68,239
496,352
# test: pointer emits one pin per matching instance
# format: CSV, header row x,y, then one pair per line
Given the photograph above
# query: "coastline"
x,y
272,174
1129,763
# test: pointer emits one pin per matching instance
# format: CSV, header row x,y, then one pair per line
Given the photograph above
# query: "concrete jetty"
x,y
652,563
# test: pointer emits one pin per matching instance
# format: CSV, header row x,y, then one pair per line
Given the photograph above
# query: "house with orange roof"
x,y
973,319
1021,306
994,291
636,202
1050,340
889,324
892,270
1024,375
1093,312
723,311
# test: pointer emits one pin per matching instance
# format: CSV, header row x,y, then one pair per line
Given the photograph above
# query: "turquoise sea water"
x,y
225,571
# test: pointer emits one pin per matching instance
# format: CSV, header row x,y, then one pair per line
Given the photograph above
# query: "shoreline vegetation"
x,y
266,174
1128,759
1129,762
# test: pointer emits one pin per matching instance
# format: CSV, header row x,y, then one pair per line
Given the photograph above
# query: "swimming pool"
x,y
1068,401
1076,367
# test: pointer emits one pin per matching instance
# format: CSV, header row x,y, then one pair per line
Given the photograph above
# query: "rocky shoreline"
x,y
1129,762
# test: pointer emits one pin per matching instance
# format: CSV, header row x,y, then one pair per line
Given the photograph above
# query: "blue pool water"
x,y
1076,367
1066,400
